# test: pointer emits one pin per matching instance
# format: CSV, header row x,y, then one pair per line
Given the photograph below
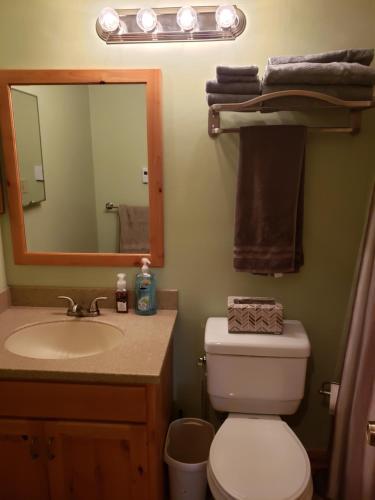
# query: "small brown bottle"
x,y
121,294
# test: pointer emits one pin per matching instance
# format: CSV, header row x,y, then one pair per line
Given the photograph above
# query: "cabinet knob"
x,y
202,361
34,447
50,452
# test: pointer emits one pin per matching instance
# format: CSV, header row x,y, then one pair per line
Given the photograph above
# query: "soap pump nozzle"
x,y
121,283
145,263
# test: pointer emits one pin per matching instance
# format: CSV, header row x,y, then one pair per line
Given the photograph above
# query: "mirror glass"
x,y
29,149
91,187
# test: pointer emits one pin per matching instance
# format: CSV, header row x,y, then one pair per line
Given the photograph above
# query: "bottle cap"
x,y
145,263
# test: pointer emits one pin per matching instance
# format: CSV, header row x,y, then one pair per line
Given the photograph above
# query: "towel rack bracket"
x,y
355,118
213,123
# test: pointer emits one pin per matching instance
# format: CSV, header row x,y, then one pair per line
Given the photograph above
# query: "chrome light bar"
x,y
170,24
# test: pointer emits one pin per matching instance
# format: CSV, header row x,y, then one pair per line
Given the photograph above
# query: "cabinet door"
x,y
97,461
23,470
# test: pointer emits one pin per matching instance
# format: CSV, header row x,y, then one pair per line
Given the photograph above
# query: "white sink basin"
x,y
67,339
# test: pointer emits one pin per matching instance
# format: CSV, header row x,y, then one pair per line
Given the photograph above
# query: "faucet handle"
x,y
72,304
94,307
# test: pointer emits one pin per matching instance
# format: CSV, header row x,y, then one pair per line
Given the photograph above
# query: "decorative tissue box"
x,y
254,315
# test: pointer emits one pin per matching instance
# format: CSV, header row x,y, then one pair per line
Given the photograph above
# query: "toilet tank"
x,y
256,373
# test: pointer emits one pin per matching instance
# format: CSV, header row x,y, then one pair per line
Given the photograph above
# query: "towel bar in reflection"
x,y
110,206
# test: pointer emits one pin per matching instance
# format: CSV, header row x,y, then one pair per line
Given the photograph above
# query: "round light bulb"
x,y
146,19
109,20
226,16
187,18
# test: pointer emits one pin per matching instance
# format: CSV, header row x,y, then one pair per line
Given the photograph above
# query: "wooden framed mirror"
x,y
101,163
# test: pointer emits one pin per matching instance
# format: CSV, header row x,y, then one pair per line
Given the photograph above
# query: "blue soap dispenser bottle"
x,y
145,290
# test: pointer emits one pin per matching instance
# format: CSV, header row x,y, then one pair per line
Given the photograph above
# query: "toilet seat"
x,y
256,457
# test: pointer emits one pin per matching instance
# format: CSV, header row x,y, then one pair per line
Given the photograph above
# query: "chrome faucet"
x,y
79,311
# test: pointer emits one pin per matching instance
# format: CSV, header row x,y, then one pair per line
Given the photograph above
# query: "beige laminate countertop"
x,y
137,360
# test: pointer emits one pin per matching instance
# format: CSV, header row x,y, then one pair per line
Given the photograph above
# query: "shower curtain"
x,y
352,470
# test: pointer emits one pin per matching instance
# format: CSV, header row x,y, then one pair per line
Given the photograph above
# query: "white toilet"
x,y
257,377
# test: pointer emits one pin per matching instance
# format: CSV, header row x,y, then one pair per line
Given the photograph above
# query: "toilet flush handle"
x,y
202,361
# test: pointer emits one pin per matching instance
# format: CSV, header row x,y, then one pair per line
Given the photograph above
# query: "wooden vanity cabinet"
x,y
72,460
23,471
96,461
62,441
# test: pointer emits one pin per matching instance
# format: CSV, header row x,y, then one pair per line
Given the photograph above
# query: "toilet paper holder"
x,y
331,390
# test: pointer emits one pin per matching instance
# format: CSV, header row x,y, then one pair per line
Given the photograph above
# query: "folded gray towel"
x,y
229,98
346,92
237,70
214,87
239,78
362,56
336,73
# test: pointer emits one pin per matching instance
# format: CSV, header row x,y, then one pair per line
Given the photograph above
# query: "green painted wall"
x,y
200,174
119,150
66,220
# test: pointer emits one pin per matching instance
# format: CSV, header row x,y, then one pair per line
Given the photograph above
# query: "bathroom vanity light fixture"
x,y
147,19
109,20
187,18
186,23
226,16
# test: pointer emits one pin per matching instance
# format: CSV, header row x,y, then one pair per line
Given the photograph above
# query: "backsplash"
x,y
5,299
40,296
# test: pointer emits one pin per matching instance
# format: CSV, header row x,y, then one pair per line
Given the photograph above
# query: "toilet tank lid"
x,y
292,343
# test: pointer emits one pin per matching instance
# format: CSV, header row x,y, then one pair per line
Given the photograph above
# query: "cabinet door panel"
x,y
97,461
23,471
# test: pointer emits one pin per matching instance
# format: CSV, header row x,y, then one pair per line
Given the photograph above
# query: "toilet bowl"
x,y
258,458
255,455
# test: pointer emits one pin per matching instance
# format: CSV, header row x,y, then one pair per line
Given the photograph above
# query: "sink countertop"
x,y
137,360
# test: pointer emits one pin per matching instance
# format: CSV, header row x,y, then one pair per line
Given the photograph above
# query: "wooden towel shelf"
x,y
268,102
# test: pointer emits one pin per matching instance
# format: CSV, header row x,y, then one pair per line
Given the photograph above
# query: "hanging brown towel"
x,y
269,206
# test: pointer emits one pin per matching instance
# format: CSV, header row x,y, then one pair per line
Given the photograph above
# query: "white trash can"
x,y
186,451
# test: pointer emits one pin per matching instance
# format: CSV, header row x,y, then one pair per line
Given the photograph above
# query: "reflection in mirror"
x,y
94,141
29,148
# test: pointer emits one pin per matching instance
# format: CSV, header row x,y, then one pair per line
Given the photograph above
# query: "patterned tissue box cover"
x,y
254,315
